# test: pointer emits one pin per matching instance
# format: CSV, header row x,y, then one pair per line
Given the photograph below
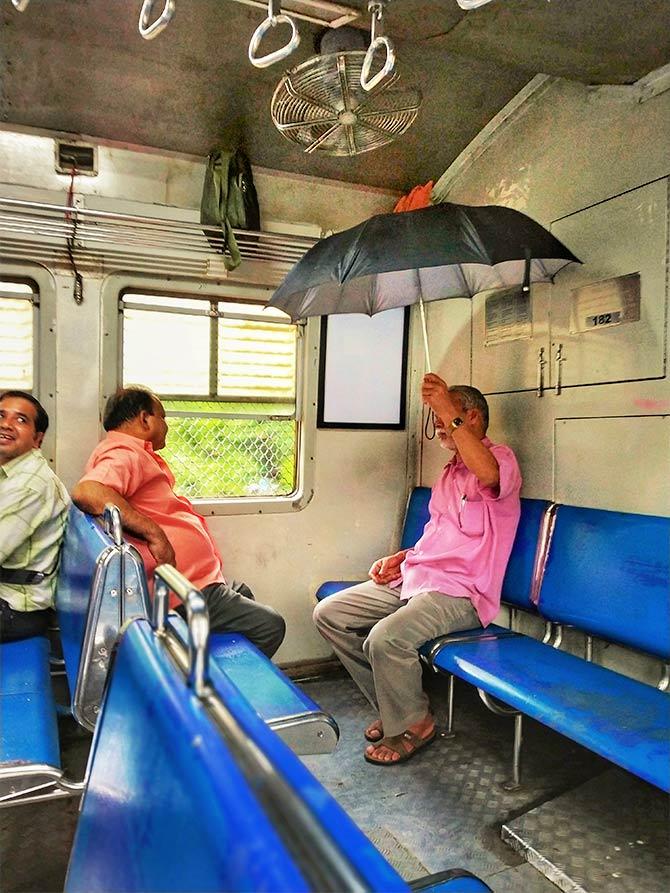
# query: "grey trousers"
x,y
377,637
232,611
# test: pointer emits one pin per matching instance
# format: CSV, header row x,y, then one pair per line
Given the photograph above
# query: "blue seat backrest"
x,y
416,516
84,541
167,787
608,573
516,589
518,579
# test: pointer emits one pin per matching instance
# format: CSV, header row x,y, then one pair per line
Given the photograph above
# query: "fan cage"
x,y
321,106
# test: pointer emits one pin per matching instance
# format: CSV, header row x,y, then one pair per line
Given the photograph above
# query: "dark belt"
x,y
18,577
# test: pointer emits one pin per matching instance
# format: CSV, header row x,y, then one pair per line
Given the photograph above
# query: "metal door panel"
x,y
624,235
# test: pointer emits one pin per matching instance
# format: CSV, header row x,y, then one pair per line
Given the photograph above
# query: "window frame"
x,y
113,289
44,388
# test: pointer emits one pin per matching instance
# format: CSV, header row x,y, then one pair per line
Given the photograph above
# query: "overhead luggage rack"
x,y
103,241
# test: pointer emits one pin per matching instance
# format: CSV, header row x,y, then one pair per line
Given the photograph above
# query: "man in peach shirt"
x,y
450,580
126,470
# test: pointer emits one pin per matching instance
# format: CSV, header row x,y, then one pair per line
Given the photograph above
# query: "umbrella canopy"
x,y
445,251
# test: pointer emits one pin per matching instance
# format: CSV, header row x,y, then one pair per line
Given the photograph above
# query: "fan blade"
x,y
295,125
303,97
344,85
324,136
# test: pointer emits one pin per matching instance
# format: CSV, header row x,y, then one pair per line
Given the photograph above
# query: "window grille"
x,y
18,308
226,371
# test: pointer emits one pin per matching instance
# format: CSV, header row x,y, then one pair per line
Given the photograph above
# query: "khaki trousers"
x,y
377,637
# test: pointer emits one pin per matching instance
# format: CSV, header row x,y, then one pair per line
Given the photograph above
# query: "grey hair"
x,y
471,398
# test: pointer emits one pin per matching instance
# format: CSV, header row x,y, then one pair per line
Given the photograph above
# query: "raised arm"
x,y
477,457
92,497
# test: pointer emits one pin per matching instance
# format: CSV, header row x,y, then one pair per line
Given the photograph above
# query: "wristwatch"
x,y
456,423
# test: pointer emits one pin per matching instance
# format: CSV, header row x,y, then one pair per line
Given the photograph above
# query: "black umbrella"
x,y
445,251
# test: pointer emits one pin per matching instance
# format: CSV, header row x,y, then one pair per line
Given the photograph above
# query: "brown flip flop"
x,y
399,744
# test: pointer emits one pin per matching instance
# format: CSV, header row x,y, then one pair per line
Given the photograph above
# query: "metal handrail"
x,y
111,519
166,579
317,855
342,14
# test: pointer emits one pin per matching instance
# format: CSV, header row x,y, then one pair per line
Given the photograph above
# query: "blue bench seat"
x,y
29,748
625,721
28,720
180,759
101,585
296,718
607,574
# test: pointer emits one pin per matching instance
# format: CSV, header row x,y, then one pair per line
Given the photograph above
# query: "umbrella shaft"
x,y
425,334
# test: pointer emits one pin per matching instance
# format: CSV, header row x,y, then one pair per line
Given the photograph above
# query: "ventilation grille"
x,y
105,242
83,159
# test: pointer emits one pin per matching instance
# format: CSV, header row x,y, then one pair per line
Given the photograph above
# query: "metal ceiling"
x,y
81,66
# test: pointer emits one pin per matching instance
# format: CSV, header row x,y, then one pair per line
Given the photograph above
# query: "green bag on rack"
x,y
229,201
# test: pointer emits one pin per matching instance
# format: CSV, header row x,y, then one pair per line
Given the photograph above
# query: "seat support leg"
x,y
449,730
514,783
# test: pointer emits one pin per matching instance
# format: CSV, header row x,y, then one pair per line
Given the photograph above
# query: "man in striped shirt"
x,y
33,515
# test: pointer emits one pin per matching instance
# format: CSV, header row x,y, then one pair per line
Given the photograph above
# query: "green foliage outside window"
x,y
222,457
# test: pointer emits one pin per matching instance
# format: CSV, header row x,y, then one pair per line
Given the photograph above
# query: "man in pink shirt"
x,y
451,580
126,470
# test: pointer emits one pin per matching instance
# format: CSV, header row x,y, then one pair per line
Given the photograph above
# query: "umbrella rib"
x,y
538,260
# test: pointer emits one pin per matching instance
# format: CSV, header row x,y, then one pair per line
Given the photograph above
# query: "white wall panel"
x,y
604,463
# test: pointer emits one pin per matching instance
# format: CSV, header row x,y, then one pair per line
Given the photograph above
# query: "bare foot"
x,y
374,732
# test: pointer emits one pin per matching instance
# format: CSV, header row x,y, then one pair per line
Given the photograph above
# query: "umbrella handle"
x,y
422,310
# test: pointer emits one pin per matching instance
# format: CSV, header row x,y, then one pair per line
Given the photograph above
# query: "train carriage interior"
x,y
145,751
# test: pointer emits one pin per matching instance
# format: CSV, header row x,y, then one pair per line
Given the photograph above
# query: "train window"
x,y
18,318
227,372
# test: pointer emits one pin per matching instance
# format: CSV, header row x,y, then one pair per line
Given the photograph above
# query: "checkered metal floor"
x,y
609,835
446,807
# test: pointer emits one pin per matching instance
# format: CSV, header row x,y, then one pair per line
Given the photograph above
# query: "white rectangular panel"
x,y
622,237
620,463
362,377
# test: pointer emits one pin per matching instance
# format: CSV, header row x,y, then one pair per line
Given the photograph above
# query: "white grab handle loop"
x,y
275,17
389,63
471,4
377,41
20,4
147,31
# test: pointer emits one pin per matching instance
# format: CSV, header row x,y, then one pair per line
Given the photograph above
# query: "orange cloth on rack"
x,y
419,197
